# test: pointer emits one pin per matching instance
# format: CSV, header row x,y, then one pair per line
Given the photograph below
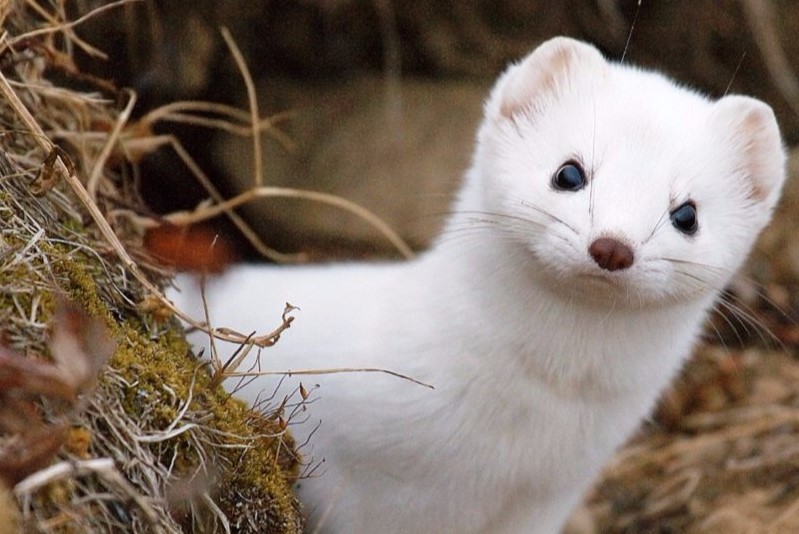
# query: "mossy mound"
x,y
154,446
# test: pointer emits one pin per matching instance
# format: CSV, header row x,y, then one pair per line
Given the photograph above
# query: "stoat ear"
x,y
554,62
752,130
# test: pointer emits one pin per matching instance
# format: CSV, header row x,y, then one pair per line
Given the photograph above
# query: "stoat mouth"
x,y
600,284
591,284
600,289
604,288
601,278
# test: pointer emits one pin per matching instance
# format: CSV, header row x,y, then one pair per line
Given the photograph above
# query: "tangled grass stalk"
x,y
142,440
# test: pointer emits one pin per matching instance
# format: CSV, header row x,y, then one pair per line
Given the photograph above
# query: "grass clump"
x,y
147,443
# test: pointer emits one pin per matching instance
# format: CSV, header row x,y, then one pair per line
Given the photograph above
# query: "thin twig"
x,y
248,233
252,98
184,218
329,372
96,174
64,26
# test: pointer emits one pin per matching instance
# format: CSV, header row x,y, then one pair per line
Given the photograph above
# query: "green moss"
x,y
260,476
82,289
261,472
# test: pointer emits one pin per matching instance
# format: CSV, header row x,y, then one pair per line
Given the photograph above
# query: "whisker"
x,y
751,312
719,335
761,294
470,228
549,215
495,217
696,263
703,284
745,312
460,235
658,225
745,316
457,234
705,266
729,323
722,307
505,225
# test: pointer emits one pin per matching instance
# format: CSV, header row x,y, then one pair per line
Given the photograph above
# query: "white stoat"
x,y
605,209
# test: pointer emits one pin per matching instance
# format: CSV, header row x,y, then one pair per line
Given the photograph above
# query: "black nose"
x,y
610,254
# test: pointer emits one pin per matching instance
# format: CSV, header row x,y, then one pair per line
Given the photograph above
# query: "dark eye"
x,y
570,177
684,218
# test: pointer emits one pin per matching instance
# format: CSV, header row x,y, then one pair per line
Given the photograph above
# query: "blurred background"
x,y
378,100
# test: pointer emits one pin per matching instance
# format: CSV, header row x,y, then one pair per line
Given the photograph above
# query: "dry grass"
x,y
728,463
147,442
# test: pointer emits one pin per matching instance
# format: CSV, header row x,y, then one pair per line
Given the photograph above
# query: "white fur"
x,y
543,363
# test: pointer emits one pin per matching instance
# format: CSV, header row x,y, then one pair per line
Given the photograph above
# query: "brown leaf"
x,y
194,248
32,377
27,454
79,345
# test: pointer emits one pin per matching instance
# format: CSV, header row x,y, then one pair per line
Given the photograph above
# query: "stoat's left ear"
x,y
751,128
549,69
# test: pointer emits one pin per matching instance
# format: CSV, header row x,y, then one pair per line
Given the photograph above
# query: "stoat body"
x,y
605,210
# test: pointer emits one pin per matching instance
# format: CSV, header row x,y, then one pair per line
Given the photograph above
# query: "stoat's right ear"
x,y
541,74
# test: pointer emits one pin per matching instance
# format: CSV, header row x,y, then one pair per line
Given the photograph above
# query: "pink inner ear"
x,y
757,164
541,73
537,78
751,127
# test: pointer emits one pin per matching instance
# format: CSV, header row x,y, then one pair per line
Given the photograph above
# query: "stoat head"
x,y
617,184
